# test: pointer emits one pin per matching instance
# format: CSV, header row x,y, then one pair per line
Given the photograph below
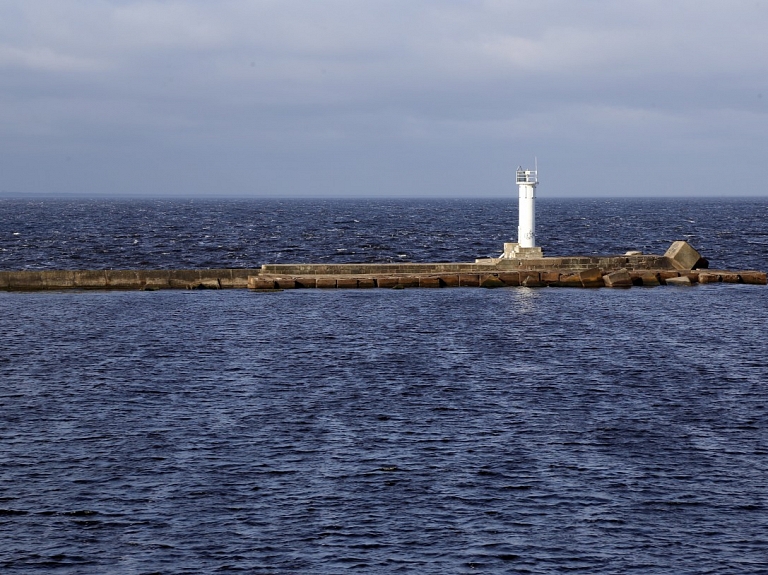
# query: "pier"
x,y
680,265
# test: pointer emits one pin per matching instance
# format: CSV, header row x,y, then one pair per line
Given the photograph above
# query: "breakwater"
x,y
680,265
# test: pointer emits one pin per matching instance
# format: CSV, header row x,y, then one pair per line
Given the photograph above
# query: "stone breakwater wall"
x,y
589,278
680,265
33,280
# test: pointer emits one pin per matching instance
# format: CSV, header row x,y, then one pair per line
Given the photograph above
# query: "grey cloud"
x,y
387,98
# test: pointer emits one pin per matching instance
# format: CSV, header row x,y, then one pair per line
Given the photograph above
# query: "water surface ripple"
x,y
382,431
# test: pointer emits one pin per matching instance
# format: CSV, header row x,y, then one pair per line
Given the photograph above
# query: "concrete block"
x,y
648,279
692,275
306,281
664,275
25,280
709,277
175,283
510,278
207,283
387,282
731,278
325,283
449,280
469,280
752,277
491,282
429,282
365,283
569,280
234,282
155,278
285,283
678,281
682,255
184,276
90,279
123,279
408,281
618,279
550,277
531,279
256,282
346,283
591,278
57,279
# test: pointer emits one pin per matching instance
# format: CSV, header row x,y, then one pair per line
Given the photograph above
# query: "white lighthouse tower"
x,y
526,180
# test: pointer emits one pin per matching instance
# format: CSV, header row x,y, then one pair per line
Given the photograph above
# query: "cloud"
x,y
253,89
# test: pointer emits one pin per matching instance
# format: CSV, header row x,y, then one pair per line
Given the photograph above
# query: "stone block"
x,y
531,279
691,275
569,280
664,275
510,278
256,282
365,283
207,283
449,280
591,278
155,279
709,277
469,280
25,280
325,283
752,277
550,277
305,282
175,283
618,279
385,281
429,282
649,279
186,276
124,279
57,279
682,255
490,282
731,278
285,283
234,282
678,281
346,283
90,279
408,281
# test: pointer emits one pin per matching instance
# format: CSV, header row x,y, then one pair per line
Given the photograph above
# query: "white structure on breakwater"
x,y
526,181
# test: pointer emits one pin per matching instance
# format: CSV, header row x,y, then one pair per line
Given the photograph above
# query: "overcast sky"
x,y
360,98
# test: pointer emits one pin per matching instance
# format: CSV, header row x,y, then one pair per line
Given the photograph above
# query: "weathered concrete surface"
x,y
578,271
678,281
618,279
682,255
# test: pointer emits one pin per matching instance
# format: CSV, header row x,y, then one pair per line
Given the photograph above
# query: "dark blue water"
x,y
151,234
381,431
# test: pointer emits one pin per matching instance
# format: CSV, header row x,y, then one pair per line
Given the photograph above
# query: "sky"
x,y
395,98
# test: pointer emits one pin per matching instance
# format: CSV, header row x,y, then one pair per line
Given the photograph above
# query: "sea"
x,y
460,430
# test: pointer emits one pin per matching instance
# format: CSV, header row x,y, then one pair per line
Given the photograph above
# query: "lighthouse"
x,y
526,181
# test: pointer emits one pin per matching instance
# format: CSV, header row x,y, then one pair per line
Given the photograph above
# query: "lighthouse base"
x,y
513,251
